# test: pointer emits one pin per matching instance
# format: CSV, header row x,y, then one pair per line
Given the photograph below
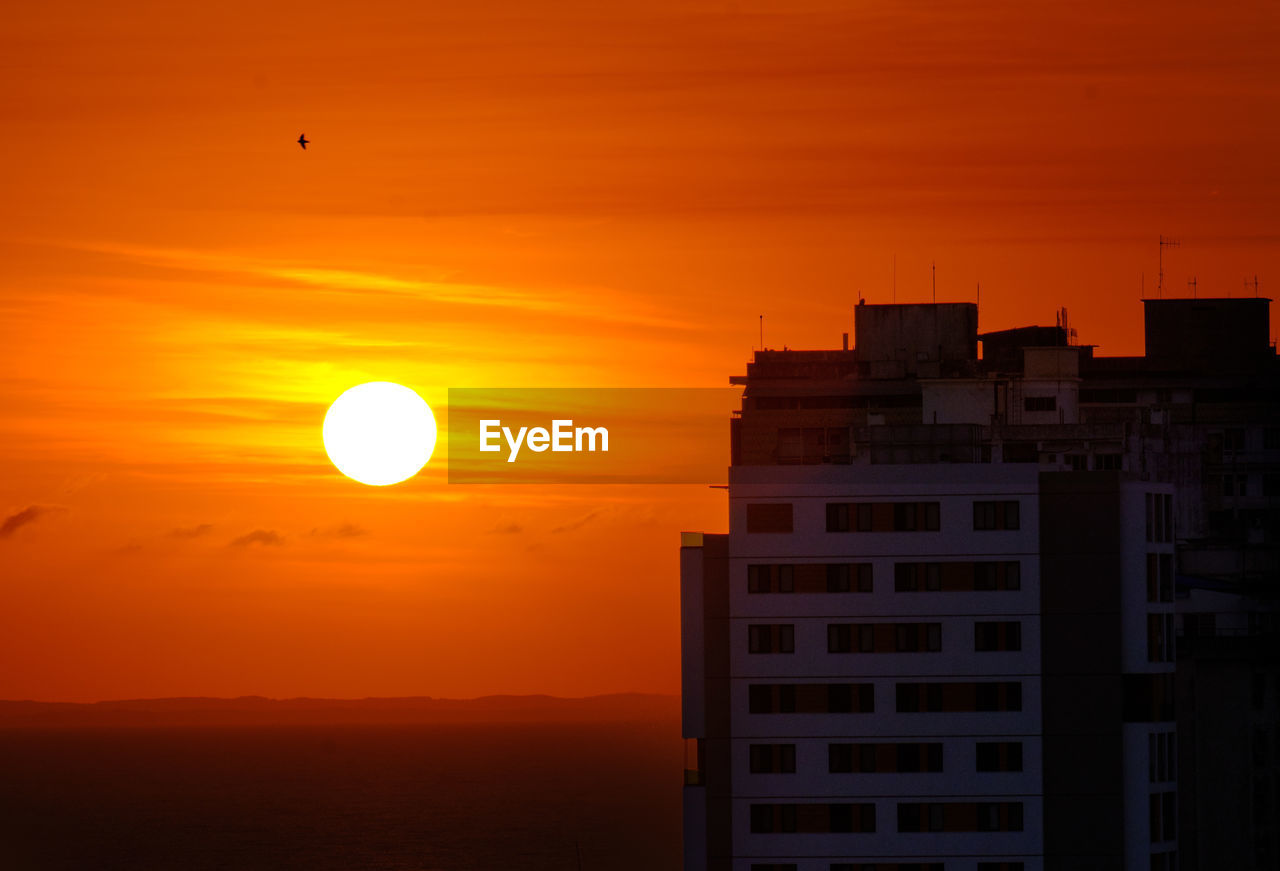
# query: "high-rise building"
x,y
941,630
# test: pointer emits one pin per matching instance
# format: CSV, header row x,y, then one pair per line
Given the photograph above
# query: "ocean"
x,y
342,798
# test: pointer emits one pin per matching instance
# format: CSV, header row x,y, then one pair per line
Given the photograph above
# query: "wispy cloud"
x,y
191,531
26,516
577,524
342,530
268,537
597,304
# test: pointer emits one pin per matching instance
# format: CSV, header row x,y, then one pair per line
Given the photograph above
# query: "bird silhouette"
x,y
303,140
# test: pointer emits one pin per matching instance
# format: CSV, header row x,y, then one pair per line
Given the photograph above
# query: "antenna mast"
x,y
934,267
1164,243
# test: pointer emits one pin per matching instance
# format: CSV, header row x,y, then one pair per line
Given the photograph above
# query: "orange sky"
x,y
521,194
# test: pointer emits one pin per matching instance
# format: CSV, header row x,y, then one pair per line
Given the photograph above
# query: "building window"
x,y
868,758
839,578
771,638
883,516
1040,403
773,866
1147,698
1160,517
952,577
810,578
1001,866
884,637
840,638
999,755
914,637
997,576
1000,816
771,578
913,758
773,759
934,697
1164,826
769,818
1160,639
1004,816
1162,757
773,818
848,577
840,759
769,517
914,577
998,696
1160,577
1001,514
1108,463
771,698
814,698
991,636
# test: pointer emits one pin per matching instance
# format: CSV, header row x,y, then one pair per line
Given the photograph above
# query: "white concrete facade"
x,y
955,488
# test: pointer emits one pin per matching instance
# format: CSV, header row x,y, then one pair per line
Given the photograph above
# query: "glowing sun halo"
x,y
379,433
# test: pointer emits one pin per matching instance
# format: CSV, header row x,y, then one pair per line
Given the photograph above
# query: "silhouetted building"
x,y
940,631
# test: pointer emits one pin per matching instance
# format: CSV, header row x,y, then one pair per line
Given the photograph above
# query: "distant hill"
x,y
259,711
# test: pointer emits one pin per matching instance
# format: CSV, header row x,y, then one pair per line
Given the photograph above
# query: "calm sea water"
x,y
345,798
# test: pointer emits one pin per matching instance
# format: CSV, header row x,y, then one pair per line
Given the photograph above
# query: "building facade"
x,y
940,632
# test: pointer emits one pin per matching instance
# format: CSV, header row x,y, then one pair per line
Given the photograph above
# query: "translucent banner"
x,y
590,435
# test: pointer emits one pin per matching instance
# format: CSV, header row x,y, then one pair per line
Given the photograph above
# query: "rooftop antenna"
x,y
1164,243
1067,330
1255,286
934,266
895,279
761,332
1192,284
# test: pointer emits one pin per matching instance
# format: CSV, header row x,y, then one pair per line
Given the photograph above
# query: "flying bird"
x,y
303,140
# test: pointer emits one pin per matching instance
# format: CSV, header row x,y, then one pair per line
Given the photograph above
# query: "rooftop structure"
x,y
941,628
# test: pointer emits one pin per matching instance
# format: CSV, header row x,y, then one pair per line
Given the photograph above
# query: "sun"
x,y
379,433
